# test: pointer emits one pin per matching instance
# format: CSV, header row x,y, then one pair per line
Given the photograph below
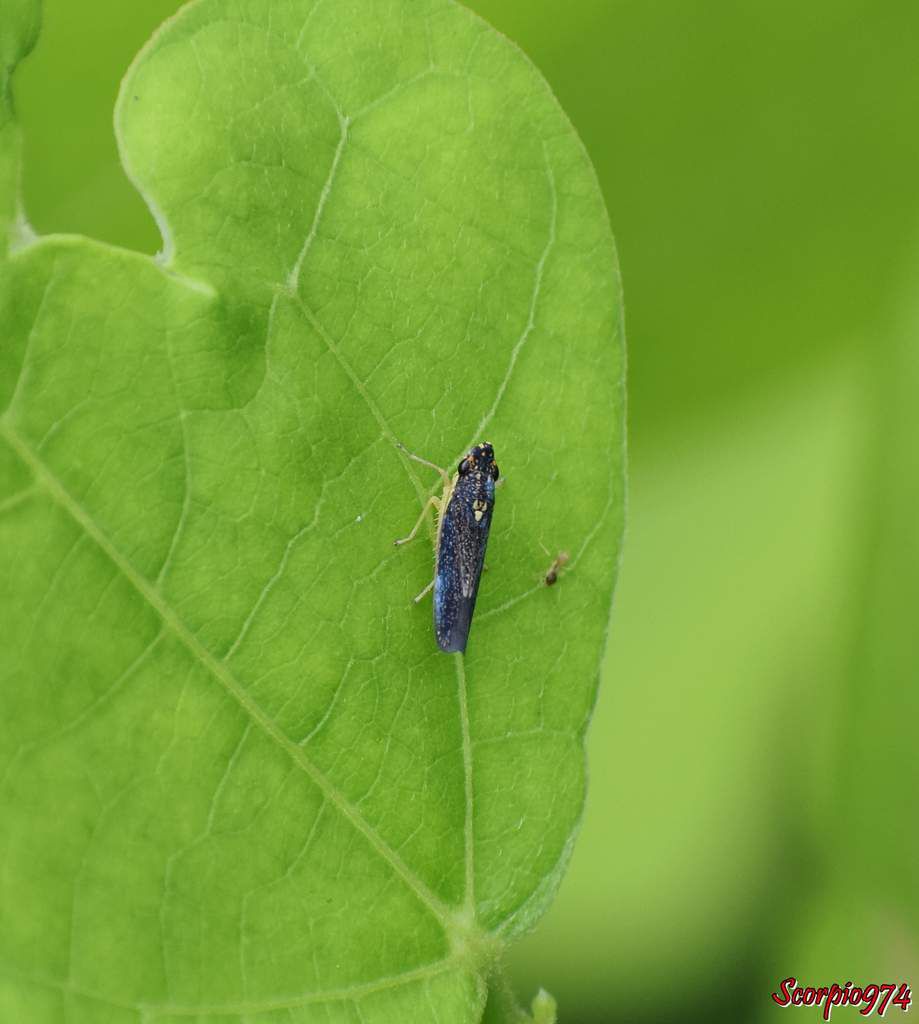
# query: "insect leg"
x,y
426,590
424,462
433,500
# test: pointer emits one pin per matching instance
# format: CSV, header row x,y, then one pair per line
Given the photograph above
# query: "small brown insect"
x,y
556,567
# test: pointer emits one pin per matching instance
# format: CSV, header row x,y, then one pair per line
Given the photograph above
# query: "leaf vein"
x,y
531,315
468,821
293,278
151,1010
227,679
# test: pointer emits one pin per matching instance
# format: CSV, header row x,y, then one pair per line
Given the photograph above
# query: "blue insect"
x,y
464,520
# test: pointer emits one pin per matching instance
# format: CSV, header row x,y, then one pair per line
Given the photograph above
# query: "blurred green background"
x,y
753,804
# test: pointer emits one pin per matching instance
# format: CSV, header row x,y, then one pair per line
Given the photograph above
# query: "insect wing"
x,y
460,558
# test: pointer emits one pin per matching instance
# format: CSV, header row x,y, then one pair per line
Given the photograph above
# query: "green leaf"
x,y
239,780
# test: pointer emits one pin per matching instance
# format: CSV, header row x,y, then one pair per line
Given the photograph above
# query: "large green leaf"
x,y
239,781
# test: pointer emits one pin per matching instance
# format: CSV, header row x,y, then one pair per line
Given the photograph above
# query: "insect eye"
x,y
494,470
463,467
